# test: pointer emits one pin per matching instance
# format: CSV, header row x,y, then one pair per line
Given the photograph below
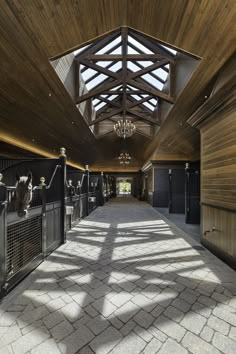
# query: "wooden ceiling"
x,y
37,111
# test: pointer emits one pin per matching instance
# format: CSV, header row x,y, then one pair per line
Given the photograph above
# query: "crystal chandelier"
x,y
124,128
124,158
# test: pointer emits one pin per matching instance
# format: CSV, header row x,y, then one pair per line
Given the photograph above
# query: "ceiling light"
x,y
124,128
124,158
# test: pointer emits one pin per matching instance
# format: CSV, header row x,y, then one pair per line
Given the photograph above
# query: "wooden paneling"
x,y
223,238
34,31
216,119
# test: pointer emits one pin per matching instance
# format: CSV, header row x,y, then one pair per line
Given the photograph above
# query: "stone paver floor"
x,y
124,283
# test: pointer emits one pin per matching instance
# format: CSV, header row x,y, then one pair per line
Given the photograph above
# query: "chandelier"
x,y
124,158
124,128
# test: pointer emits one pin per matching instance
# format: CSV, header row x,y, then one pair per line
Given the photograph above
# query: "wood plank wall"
x,y
216,120
218,187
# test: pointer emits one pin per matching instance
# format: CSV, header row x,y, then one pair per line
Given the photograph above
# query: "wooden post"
x,y
44,216
87,187
3,237
170,190
62,159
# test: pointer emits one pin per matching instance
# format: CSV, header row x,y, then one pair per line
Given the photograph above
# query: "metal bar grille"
x,y
24,243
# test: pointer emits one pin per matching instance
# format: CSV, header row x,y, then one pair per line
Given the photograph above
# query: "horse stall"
x,y
192,193
177,190
82,195
27,237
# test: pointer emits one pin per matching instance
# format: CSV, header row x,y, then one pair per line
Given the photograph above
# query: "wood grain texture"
x,y
32,32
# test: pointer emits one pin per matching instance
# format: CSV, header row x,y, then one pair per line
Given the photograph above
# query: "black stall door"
x,y
177,191
192,212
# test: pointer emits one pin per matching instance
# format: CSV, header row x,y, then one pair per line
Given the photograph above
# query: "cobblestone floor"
x,y
124,283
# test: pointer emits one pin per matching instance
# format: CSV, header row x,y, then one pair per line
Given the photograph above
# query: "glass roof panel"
x,y
131,50
95,101
131,66
103,64
139,45
116,67
100,105
132,88
88,73
148,105
145,63
78,51
109,45
161,73
112,97
157,84
116,88
104,96
116,51
154,101
172,51
136,97
96,81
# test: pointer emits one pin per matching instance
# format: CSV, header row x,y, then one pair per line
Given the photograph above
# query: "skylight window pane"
x,y
169,49
132,88
104,96
145,63
77,51
139,45
87,74
103,64
157,84
95,101
117,66
144,95
167,66
109,46
116,88
161,73
132,51
136,97
148,105
112,97
116,51
153,101
102,104
131,66
96,81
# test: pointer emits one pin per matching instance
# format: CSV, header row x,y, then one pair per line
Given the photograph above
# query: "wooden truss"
x,y
125,91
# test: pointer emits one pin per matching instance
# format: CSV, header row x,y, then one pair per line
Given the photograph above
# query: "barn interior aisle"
x,y
125,282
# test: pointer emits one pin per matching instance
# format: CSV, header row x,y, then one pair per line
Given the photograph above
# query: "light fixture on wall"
x,y
124,128
124,158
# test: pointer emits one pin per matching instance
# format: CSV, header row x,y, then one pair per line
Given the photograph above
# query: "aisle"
x,y
124,283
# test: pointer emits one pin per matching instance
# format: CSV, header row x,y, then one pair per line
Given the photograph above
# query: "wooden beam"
x,y
119,57
137,103
140,116
96,46
150,91
106,116
99,68
148,69
112,103
152,74
152,45
95,92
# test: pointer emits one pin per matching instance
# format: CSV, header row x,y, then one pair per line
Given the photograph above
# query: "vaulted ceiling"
x,y
38,113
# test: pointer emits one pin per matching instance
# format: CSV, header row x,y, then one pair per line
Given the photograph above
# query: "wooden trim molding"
x,y
224,100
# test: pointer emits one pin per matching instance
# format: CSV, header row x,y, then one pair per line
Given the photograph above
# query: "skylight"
x,y
148,105
109,46
155,83
140,46
133,67
162,74
100,105
88,73
96,81
116,67
169,49
80,50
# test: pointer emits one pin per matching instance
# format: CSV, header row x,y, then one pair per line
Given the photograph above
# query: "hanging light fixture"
x,y
124,158
124,128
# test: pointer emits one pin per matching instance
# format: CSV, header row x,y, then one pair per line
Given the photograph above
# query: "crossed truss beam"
x,y
126,83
